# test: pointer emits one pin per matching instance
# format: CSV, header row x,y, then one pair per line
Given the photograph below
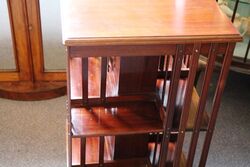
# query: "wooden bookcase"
x,y
131,71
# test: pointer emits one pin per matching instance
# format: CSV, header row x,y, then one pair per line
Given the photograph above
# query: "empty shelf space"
x,y
123,118
180,102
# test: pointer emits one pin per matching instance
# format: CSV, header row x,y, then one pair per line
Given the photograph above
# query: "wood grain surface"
x,y
93,22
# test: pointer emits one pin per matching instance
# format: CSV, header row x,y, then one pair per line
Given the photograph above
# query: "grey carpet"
x,y
231,142
33,133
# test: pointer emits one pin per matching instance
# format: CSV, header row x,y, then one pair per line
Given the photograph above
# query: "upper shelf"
x,y
93,22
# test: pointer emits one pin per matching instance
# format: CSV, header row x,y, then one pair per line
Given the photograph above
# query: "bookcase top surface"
x,y
105,22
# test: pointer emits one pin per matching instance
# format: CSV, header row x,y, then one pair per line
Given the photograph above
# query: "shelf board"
x,y
120,119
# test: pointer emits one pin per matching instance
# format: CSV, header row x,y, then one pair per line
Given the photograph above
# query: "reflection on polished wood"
x,y
142,21
27,90
123,118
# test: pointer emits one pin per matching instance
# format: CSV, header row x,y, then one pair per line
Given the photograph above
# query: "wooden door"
x,y
28,79
35,9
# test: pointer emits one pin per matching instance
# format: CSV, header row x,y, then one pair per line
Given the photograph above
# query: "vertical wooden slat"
x,y
185,60
187,99
83,152
103,78
161,63
188,61
167,124
216,102
155,149
202,103
85,80
101,151
165,79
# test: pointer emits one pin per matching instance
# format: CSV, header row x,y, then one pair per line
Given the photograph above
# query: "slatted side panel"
x,y
190,61
202,102
216,102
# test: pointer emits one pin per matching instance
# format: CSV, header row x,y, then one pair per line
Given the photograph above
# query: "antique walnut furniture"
x,y
131,71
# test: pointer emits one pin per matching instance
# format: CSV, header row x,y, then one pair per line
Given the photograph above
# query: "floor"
x,y
33,133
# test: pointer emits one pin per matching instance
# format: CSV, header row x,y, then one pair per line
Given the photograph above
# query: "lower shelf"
x,y
92,154
137,162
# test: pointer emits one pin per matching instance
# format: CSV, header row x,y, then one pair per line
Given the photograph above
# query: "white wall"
x,y
6,50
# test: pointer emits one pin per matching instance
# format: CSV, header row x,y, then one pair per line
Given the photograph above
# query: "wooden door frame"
x,y
29,81
34,19
19,32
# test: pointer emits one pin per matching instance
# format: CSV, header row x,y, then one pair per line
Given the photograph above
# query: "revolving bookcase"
x,y
131,71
